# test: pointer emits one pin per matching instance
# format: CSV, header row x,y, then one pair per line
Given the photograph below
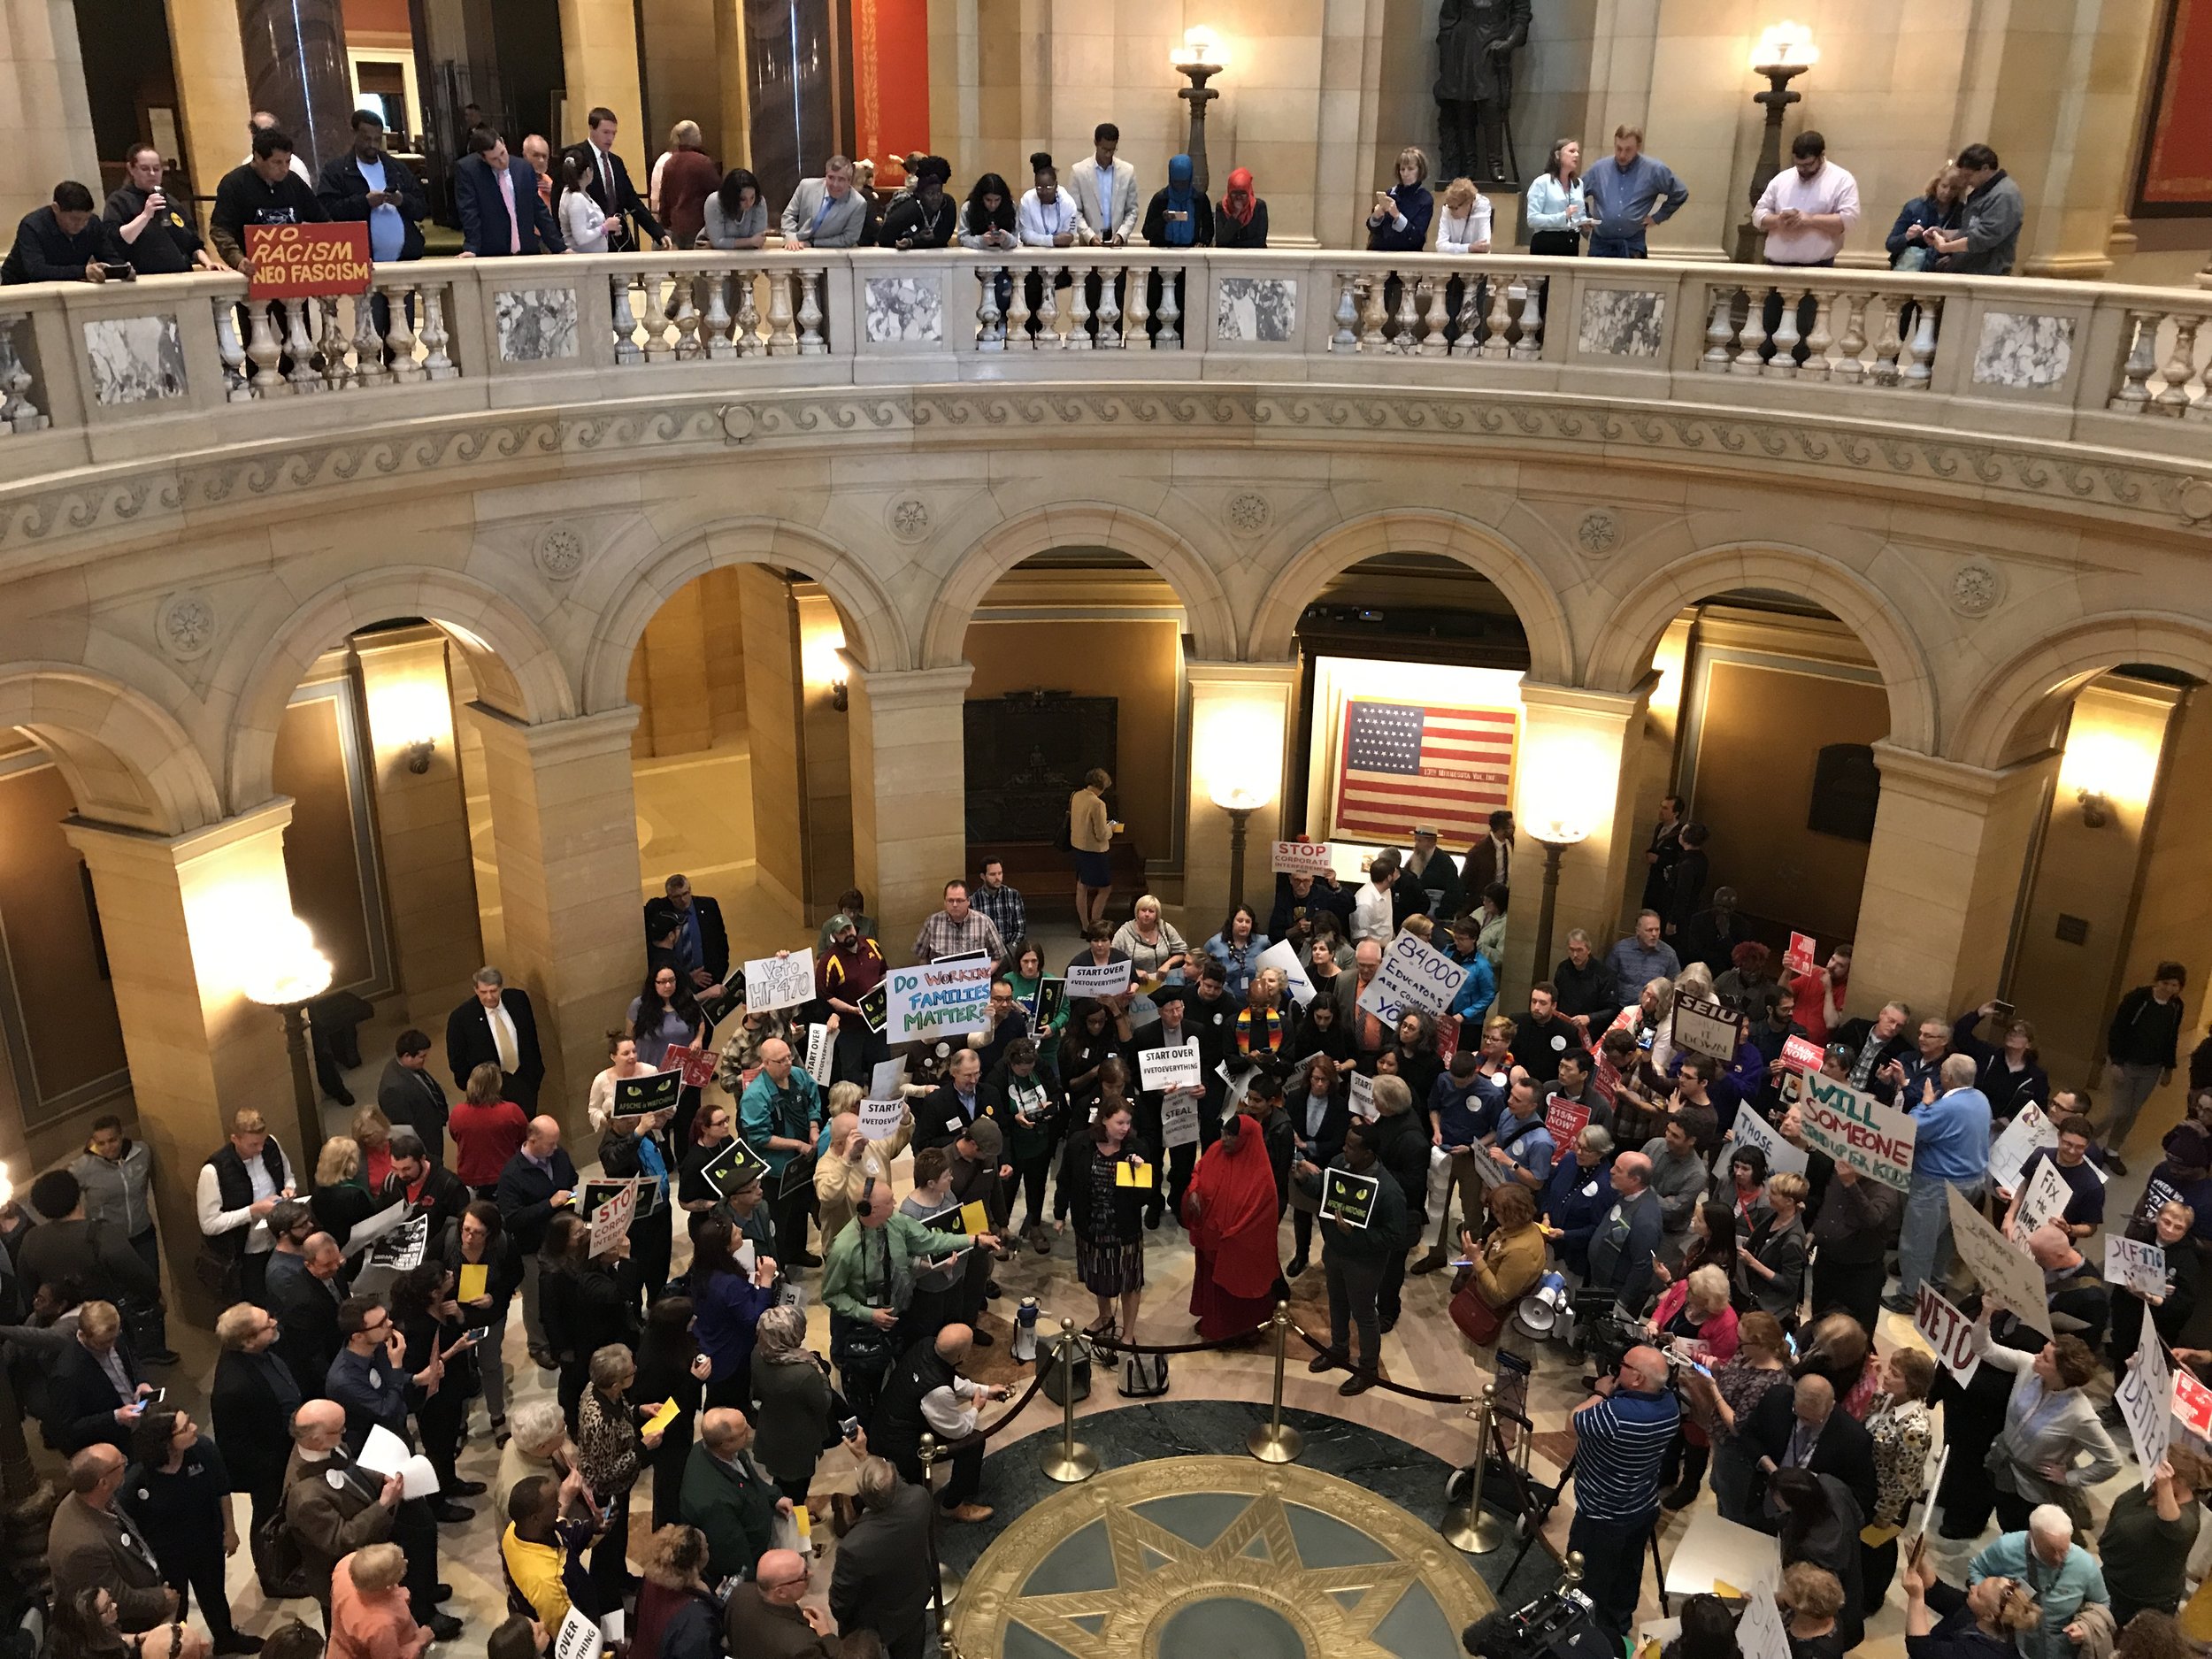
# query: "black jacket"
x,y
881,1581
526,1196
417,1099
714,937
82,1402
307,1320
908,218
1843,1450
1072,1190
1853,1033
1201,212
1402,1148
2145,1030
442,1199
252,1419
95,1255
165,247
939,1117
1229,234
469,1044
1336,1121
344,195
244,197
1686,886
45,253
625,198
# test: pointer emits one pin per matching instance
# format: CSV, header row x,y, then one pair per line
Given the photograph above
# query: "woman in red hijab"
x,y
1242,221
1229,1214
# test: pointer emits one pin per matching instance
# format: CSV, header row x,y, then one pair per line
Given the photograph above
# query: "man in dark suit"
x,y
252,1401
1490,858
881,1581
1686,884
368,185
408,1095
1870,1045
538,1179
607,181
1803,1428
701,948
498,1028
92,1396
304,1293
492,227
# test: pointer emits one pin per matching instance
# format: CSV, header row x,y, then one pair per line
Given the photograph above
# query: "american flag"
x,y
1403,764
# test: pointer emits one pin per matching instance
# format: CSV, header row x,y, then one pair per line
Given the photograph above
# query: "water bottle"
x,y
1025,1330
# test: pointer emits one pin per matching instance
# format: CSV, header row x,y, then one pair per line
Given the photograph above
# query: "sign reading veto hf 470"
x,y
1856,1129
297,261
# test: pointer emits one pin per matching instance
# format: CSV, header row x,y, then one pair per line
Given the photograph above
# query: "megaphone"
x,y
1546,1306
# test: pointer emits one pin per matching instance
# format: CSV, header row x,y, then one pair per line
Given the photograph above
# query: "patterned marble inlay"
x,y
2023,349
1256,307
1622,322
134,359
905,308
536,325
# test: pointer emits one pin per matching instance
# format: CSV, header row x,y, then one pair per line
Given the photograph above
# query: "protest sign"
x,y
1563,1120
1283,960
1800,958
2136,1265
1754,1131
1949,1331
1301,858
773,982
695,1066
611,1220
2145,1399
1801,1054
2043,1199
739,1166
2005,1270
1415,974
367,1233
648,1092
883,1082
818,1054
874,1008
1760,1633
1348,1198
1179,1120
941,999
2029,1128
1175,1067
1364,1096
1856,1129
1488,1171
1703,1027
1044,1003
580,1638
293,262
879,1119
2193,1405
1097,978
402,1249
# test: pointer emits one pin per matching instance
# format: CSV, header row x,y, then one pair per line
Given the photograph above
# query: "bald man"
x,y
730,1499
766,1617
781,1115
1800,1428
845,1170
332,1507
93,1546
538,1180
1622,1433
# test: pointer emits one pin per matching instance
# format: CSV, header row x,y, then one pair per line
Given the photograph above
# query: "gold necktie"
x,y
503,1038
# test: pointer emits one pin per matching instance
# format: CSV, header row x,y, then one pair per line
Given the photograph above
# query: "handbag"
x,y
1059,1382
1555,243
1143,1376
1478,1321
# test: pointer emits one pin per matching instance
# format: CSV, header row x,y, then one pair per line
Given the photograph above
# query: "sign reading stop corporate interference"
x,y
1415,974
1858,1130
1301,858
944,999
297,261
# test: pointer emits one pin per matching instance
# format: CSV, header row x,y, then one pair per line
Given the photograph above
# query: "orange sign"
x,y
293,262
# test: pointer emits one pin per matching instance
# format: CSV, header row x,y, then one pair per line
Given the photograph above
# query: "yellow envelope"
x,y
972,1218
473,1281
668,1413
1874,1537
1728,1592
1133,1175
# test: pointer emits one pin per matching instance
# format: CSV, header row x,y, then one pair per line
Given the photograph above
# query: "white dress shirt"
x,y
950,1411
215,1219
1830,190
1371,915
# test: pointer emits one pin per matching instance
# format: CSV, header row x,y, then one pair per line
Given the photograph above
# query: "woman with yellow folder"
x,y
1108,1178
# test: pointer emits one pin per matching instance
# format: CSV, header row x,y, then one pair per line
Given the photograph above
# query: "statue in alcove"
x,y
1475,43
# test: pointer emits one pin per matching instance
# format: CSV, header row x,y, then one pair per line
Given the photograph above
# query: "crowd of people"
x,y
1724,1277
583,200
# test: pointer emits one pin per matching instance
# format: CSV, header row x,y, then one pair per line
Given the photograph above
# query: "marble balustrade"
x,y
82,366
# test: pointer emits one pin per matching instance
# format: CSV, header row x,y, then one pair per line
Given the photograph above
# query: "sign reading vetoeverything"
x,y
295,262
1856,1129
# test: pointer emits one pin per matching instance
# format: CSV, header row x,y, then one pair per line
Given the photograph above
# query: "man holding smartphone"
x,y
62,241
158,235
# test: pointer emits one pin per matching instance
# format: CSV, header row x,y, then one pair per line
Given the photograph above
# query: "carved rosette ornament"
x,y
908,518
185,626
1599,532
1248,513
1976,590
560,551
2195,499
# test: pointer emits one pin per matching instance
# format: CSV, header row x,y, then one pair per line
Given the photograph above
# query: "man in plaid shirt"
x,y
957,931
1003,904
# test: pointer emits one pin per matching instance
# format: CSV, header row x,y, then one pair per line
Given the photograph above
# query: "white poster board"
x,y
2145,1399
883,1082
2136,1265
1754,1131
2006,1271
1179,1120
1283,960
1703,1027
1853,1127
1364,1096
1301,858
2044,1199
1713,1553
610,1222
1760,1633
879,1119
1949,1331
941,999
579,1638
773,982
2031,1127
1177,1066
1415,974
818,1054
1093,979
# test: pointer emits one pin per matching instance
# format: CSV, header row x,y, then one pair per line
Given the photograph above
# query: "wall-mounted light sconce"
x,y
838,697
418,754
2096,810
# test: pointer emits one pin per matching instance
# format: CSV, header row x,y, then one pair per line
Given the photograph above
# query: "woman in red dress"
x,y
1229,1214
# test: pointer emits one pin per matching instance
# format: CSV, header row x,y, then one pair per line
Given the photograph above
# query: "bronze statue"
x,y
1475,43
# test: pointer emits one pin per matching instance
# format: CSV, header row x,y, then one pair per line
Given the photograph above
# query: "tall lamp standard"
x,y
1239,803
1200,58
1555,836
1782,53
289,973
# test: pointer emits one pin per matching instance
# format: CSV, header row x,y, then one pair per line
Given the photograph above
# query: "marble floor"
x,y
1425,1351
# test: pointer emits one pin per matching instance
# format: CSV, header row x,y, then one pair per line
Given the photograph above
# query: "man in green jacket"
x,y
781,1115
1357,1258
727,1498
868,1283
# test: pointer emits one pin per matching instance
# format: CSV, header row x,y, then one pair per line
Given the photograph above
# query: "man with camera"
x,y
1622,1433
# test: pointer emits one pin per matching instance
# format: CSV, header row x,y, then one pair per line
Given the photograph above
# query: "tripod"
x,y
1539,1500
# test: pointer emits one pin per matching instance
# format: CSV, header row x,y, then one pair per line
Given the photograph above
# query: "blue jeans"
x,y
1923,1247
1618,247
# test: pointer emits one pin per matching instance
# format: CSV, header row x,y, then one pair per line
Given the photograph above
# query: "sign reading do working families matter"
x,y
295,262
941,999
1856,1129
1415,974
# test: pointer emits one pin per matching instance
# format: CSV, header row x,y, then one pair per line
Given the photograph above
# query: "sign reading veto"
x,y
1854,1128
297,262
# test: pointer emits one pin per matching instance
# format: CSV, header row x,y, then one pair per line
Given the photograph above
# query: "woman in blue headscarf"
x,y
1180,217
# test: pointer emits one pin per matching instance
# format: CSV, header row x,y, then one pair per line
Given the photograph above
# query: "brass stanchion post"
x,y
1570,1576
1074,1461
948,1581
1274,1441
1468,1527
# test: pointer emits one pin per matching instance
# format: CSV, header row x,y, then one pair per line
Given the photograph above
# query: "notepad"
x,y
973,1220
1133,1175
474,1277
668,1413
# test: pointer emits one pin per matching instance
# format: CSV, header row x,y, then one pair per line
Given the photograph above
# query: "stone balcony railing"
x,y
91,376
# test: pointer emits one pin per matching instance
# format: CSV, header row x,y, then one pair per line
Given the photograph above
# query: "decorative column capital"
x,y
121,844
551,742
